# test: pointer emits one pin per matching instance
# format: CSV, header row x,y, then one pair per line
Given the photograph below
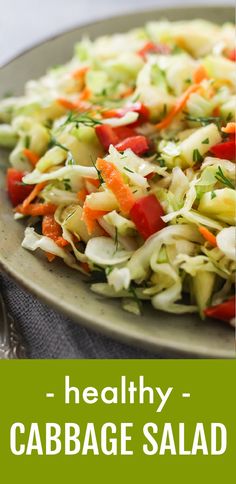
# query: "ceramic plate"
x,y
64,289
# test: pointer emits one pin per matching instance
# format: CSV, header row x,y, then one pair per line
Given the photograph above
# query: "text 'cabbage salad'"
x,y
124,159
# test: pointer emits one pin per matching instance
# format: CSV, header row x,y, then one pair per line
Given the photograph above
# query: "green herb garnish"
x,y
164,111
48,123
127,169
220,176
160,160
205,141
82,118
109,269
67,184
27,141
213,194
229,117
197,157
54,142
98,172
204,120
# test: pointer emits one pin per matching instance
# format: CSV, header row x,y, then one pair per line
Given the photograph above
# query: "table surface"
x,y
22,24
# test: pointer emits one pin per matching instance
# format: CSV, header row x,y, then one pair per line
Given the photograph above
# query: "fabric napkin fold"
x,y
50,335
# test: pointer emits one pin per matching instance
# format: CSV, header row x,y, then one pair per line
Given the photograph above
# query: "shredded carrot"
x,y
115,183
82,194
83,106
216,111
61,242
36,190
36,209
31,156
79,74
50,257
85,94
180,104
85,266
200,74
90,216
109,113
230,128
51,229
128,92
208,235
66,104
78,105
93,181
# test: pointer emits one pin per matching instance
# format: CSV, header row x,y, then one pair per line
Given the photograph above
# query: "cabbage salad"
x,y
124,161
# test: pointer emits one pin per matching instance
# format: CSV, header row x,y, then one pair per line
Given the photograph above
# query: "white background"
x,y
25,22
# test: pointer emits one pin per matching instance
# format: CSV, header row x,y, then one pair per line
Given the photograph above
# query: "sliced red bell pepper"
x,y
224,311
138,144
232,55
225,151
137,107
150,175
146,213
106,135
17,191
122,138
124,132
152,48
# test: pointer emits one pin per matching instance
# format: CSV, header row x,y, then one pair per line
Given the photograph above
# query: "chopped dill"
x,y
229,117
109,269
54,142
98,172
67,184
127,169
160,160
164,111
27,141
82,118
204,120
220,176
197,157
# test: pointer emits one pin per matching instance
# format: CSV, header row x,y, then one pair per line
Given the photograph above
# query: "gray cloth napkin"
x,y
48,334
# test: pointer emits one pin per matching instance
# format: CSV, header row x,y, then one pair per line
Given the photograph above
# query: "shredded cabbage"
x,y
157,221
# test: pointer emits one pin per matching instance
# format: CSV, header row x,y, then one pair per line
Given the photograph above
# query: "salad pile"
x,y
124,161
